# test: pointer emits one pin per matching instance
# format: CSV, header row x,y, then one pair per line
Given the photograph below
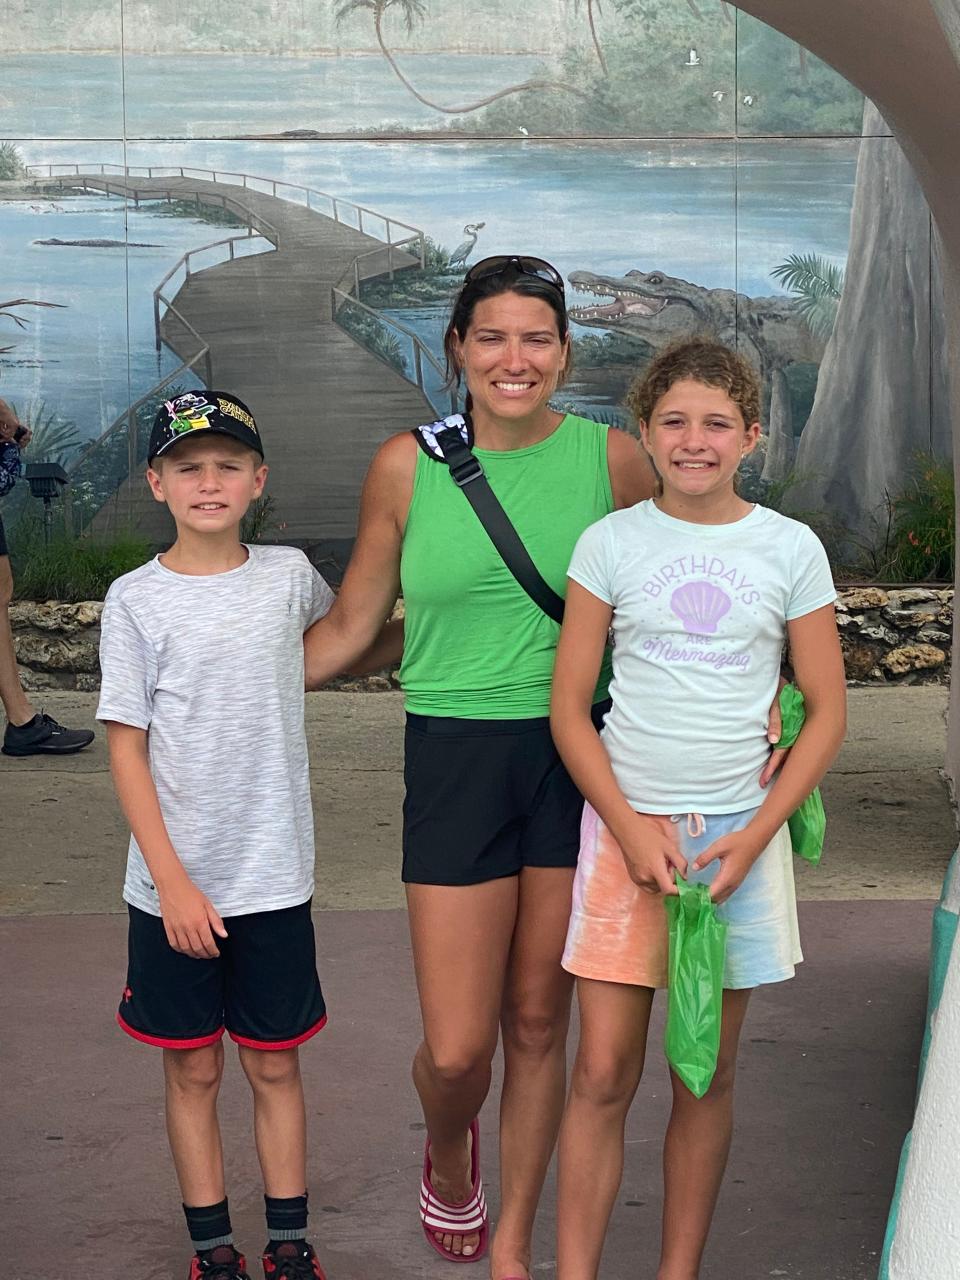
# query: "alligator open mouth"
x,y
626,302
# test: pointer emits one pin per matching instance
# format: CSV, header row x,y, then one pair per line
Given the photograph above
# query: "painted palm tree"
x,y
817,286
413,11
593,6
8,311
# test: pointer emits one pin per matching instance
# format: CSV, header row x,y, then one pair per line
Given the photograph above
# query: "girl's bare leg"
x,y
613,1036
534,1021
461,943
695,1153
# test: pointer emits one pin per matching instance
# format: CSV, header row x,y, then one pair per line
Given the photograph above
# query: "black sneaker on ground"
x,y
43,736
221,1263
292,1262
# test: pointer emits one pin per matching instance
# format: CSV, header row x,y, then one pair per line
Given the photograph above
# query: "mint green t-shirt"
x,y
475,644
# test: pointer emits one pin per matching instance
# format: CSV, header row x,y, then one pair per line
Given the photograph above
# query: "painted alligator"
x,y
98,244
657,309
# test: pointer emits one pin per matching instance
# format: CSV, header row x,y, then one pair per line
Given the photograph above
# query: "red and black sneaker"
x,y
221,1263
292,1262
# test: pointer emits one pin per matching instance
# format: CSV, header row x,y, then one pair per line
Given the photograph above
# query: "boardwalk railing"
x,y
377,225
184,263
122,447
386,338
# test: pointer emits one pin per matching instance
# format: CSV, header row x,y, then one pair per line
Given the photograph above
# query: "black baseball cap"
x,y
215,411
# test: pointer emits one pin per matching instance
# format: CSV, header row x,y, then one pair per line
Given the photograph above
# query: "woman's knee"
x,y
270,1068
194,1070
453,1064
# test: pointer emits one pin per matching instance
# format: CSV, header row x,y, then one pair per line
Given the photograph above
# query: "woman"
x,y
491,818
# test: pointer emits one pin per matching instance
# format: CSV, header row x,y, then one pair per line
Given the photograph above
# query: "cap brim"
x,y
201,431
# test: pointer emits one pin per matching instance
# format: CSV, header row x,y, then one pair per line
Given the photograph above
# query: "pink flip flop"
x,y
455,1219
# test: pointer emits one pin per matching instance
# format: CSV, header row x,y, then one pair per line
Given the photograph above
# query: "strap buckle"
x,y
466,471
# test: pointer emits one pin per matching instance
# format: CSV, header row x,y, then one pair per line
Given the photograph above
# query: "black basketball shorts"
x,y
263,988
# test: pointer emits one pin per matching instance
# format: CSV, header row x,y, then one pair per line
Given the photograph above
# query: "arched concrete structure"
x,y
905,56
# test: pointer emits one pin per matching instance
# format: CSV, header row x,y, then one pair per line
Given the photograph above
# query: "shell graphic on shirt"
x,y
699,605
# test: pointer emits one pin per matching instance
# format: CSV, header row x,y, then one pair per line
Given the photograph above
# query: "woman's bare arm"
x,y
632,477
372,581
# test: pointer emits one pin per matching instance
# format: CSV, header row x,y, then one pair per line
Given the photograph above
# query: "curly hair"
x,y
704,361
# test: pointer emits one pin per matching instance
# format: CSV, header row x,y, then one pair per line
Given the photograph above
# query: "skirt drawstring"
x,y
696,824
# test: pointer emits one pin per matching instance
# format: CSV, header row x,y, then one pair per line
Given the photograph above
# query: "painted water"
x,y
719,215
81,95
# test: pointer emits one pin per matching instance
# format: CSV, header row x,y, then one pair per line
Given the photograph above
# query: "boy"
x,y
202,696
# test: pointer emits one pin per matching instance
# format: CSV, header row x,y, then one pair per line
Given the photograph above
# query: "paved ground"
x,y
826,1084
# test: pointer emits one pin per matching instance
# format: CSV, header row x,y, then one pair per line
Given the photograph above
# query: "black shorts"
x,y
486,798
263,988
4,550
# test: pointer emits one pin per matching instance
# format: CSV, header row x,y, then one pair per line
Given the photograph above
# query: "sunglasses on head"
x,y
519,264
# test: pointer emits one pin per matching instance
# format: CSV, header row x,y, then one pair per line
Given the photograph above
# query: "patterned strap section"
x,y
426,436
452,1219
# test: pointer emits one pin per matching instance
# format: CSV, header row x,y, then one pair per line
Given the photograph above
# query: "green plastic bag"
x,y
698,945
809,823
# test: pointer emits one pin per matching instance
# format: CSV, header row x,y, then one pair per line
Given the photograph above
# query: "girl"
x,y
701,589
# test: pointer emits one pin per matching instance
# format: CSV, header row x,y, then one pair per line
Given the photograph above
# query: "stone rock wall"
x,y
900,636
896,636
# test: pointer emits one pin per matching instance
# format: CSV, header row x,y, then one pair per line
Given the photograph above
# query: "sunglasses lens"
x,y
496,266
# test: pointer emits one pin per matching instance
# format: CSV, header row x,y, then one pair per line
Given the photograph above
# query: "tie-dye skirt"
x,y
618,932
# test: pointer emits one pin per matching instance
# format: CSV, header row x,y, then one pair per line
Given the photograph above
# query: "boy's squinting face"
x,y
697,438
208,484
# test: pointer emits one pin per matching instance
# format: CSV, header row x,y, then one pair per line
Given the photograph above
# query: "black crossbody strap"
x,y
468,474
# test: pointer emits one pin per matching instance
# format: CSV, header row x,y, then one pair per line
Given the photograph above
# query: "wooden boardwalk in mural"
x,y
323,401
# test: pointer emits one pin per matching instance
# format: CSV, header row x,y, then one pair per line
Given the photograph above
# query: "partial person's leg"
x,y
192,1079
26,734
534,1020
461,942
16,704
695,1152
279,1118
614,1018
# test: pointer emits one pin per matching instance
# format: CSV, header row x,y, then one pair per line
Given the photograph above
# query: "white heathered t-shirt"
x,y
212,668
699,621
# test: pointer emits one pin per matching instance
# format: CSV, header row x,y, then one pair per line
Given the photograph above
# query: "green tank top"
x,y
475,644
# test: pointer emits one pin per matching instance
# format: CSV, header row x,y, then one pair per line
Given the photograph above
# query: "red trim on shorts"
x,y
279,1044
162,1042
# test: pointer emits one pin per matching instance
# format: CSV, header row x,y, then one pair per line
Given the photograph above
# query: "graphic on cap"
x,y
189,412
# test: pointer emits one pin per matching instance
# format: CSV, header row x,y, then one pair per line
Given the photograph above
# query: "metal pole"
x,y
131,462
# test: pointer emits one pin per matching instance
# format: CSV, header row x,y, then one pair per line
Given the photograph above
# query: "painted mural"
x,y
282,206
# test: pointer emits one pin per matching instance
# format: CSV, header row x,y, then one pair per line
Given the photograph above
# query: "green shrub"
x,y
72,569
922,529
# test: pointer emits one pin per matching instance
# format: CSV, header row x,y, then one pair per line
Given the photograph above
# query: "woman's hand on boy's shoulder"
x,y
652,854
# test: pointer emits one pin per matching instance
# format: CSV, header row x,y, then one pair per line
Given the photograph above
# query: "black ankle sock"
x,y
209,1225
286,1220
